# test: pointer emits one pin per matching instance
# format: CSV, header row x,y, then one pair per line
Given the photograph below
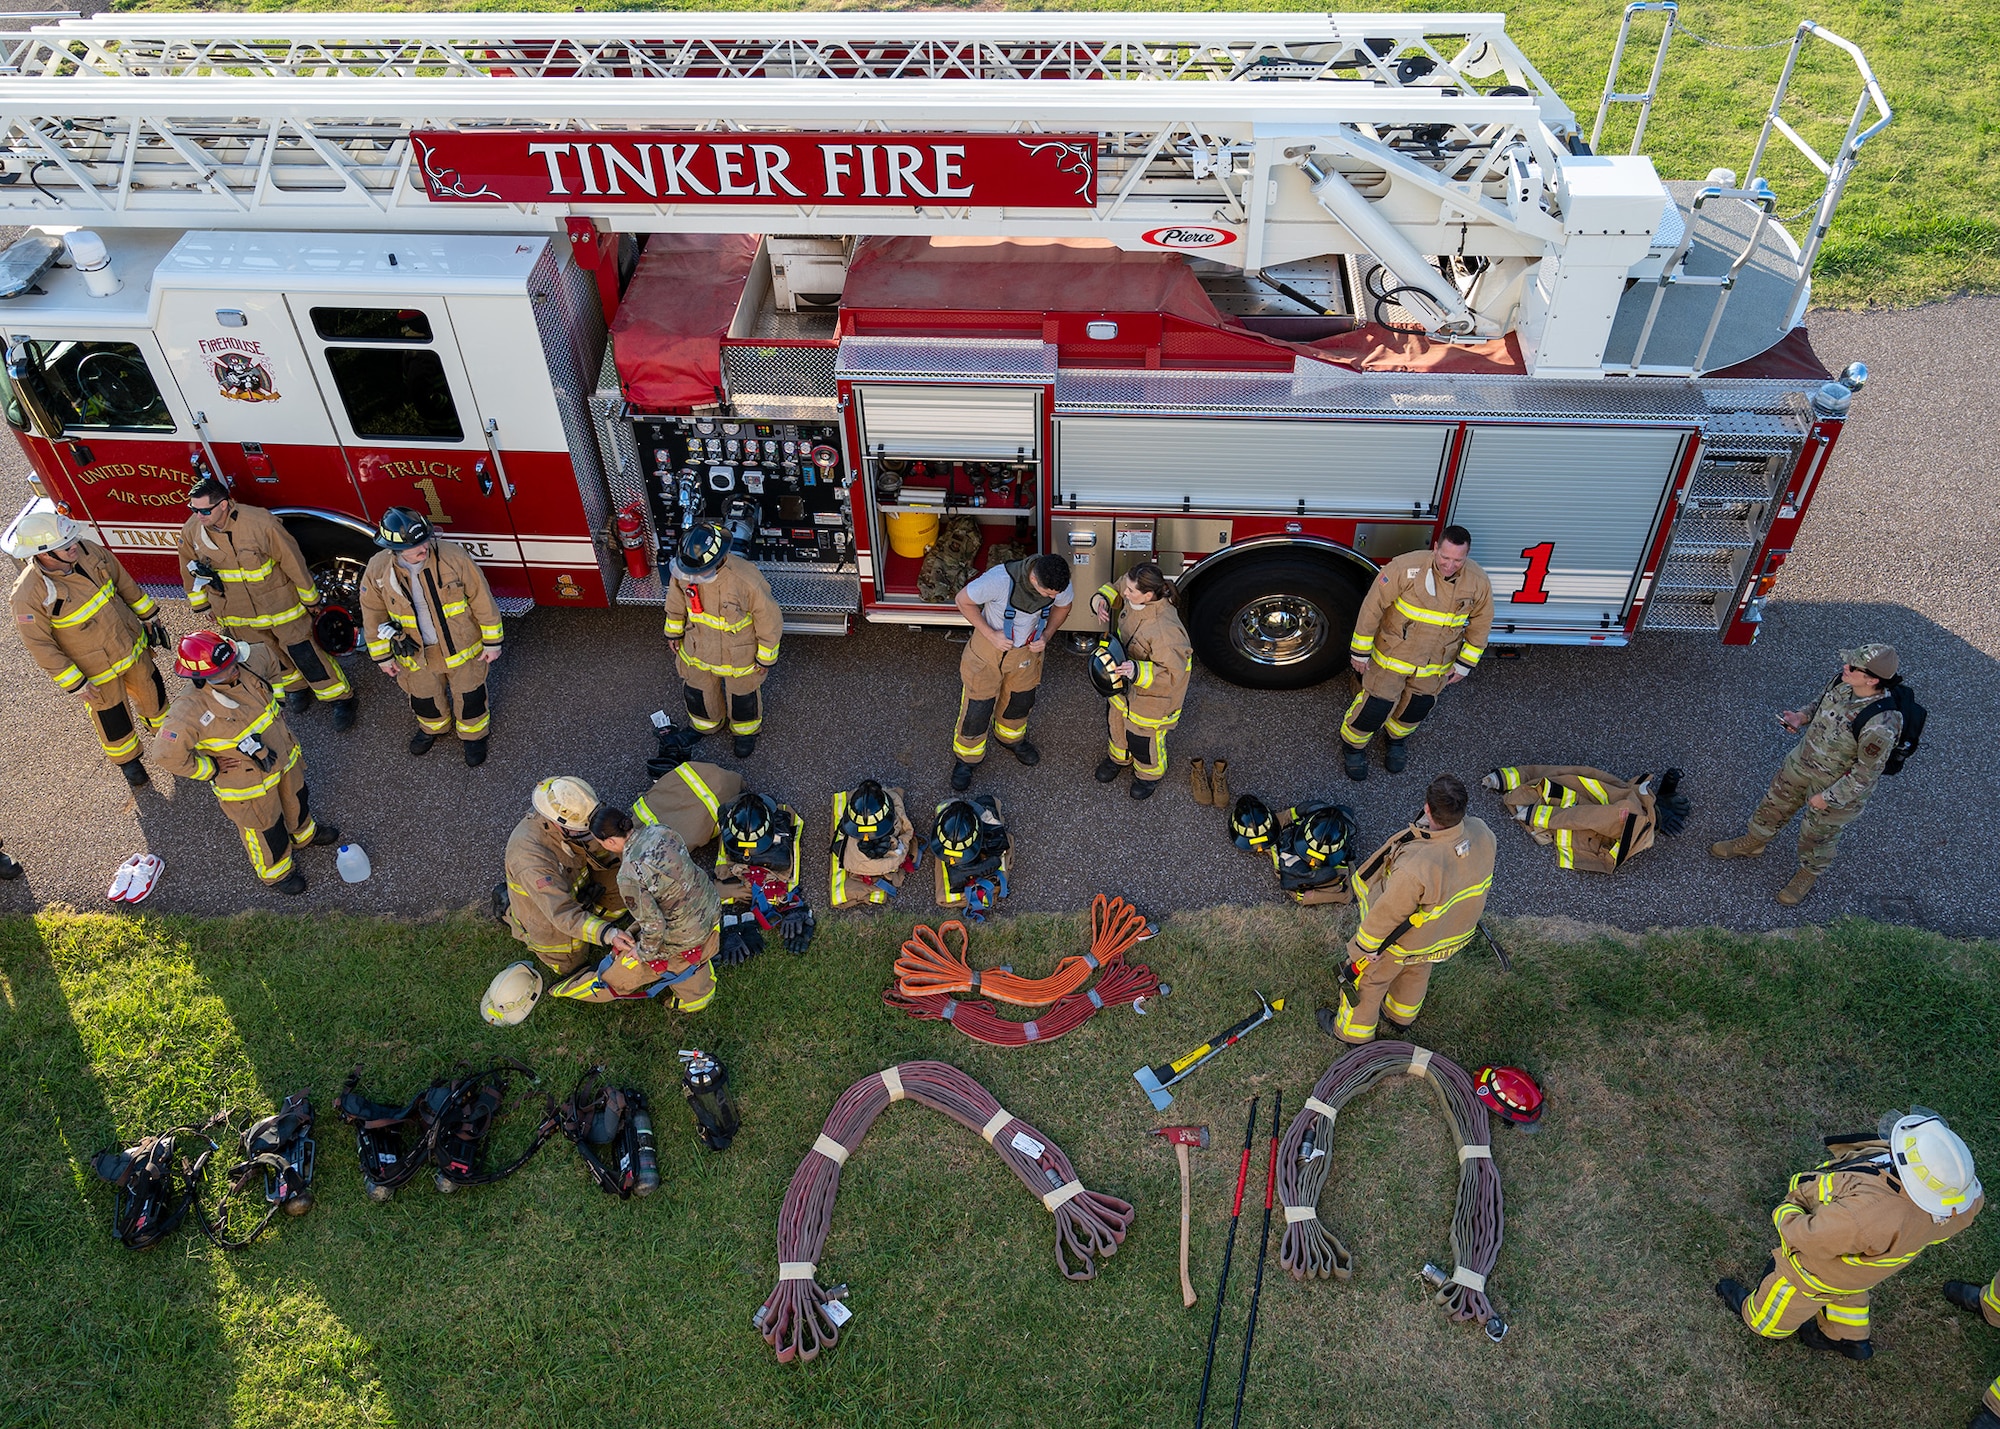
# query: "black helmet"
x,y
750,824
1105,659
1250,822
957,835
870,815
1328,828
402,528
704,547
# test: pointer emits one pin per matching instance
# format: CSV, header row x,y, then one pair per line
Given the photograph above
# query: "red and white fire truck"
x,y
1266,298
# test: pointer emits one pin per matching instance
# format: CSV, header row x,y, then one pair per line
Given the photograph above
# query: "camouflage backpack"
x,y
951,561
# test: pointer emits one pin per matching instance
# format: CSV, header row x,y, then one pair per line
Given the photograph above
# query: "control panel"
x,y
778,486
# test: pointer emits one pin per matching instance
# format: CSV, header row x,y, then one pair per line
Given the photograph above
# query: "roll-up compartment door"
x,y
1562,517
977,423
1221,464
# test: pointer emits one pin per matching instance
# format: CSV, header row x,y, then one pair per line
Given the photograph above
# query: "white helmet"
x,y
1934,1164
567,802
512,995
40,528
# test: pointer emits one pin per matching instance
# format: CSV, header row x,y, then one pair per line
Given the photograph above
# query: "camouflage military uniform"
x,y
679,921
1830,760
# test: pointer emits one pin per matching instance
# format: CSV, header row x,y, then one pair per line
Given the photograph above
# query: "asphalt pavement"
x,y
1897,547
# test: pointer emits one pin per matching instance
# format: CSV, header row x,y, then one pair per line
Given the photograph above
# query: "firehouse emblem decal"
x,y
237,364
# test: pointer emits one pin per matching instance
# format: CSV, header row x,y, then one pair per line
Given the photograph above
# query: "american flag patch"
x,y
25,619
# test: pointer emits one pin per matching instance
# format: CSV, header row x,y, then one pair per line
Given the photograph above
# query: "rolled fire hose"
x,y
1310,1251
1122,984
1089,1224
927,966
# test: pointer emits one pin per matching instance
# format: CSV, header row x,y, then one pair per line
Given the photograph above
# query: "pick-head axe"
x,y
1154,1081
1182,1137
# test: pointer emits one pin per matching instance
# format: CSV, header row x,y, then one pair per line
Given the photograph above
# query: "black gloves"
x,y
741,939
797,929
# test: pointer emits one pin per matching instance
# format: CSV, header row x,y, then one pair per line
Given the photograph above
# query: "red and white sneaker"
x,y
121,883
139,880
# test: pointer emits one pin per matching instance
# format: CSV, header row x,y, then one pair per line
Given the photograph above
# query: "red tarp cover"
x,y
667,337
1790,359
1056,276
1373,348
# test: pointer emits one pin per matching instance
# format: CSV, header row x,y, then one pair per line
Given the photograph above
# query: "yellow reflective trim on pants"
x,y
1855,1316
1345,1025
1349,735
1400,1011
474,729
118,753
266,622
99,598
303,834
269,872
1566,848
1764,1318
339,689
698,1003
1442,618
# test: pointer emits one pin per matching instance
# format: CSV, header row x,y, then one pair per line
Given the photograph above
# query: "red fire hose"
x,y
794,1319
1121,985
928,966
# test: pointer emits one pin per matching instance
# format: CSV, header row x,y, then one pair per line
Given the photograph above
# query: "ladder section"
x,y
1645,98
1722,520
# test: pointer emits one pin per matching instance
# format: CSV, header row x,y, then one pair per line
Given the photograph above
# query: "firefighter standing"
x,y
85,621
1849,736
723,626
229,732
1852,1222
246,576
1420,896
1011,608
1159,660
431,622
1423,626
560,876
1983,1301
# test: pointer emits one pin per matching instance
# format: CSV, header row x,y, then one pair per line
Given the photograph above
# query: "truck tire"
x,y
335,557
1276,622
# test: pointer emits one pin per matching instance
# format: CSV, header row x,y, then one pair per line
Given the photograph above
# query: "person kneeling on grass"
x,y
678,921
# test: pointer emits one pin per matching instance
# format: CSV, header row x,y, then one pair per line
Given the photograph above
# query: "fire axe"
x,y
1154,1081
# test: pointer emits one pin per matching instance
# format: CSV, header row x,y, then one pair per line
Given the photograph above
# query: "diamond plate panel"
x,y
761,374
931,359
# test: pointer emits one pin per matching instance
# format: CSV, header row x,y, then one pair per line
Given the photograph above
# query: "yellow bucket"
x,y
911,532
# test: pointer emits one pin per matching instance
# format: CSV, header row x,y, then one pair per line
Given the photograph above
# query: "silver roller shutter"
x,y
982,423
1594,494
1219,464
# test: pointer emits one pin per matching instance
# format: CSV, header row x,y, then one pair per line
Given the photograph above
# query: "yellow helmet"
x,y
40,528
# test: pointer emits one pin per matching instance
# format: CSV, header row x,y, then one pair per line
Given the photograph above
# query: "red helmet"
x,y
1510,1094
204,655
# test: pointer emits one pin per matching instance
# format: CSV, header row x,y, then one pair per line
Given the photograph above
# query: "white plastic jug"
x,y
352,861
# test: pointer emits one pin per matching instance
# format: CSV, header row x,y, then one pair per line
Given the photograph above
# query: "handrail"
x,y
1644,101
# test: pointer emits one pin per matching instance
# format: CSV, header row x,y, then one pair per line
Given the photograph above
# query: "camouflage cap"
x,y
1878,660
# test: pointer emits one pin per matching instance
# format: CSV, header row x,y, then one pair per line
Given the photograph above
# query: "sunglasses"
x,y
204,510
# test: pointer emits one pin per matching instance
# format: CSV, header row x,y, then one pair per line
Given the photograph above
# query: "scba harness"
x,y
449,1125
157,1186
613,1133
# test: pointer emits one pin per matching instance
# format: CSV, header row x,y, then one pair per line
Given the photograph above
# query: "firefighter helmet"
x,y
704,547
868,811
204,655
1327,830
750,824
401,528
1250,822
567,802
1510,1094
37,531
1105,659
956,836
1933,1164
512,995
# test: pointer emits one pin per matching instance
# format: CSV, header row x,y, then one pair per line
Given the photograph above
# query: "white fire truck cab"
x,y
1268,299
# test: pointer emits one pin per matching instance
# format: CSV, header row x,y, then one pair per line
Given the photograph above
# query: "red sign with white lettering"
x,y
847,170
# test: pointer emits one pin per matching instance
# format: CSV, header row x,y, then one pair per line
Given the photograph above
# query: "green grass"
x,y
1689,1073
1919,221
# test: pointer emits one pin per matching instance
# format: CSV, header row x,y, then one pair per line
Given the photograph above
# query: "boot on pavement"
x,y
1218,784
961,776
135,773
1742,846
1395,756
291,885
1794,893
1198,781
1356,764
346,711
1108,769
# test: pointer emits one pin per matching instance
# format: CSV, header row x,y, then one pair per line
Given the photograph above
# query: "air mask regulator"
x,y
705,1084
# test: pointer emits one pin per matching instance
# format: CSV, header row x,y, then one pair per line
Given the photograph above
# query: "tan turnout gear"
x,y
1595,821
689,799
996,693
261,593
555,893
202,739
855,879
1415,628
85,627
725,631
459,623
677,929
1421,896
1845,1226
1162,659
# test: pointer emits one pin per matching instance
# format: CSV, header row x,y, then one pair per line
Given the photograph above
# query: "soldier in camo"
x,y
1831,772
679,917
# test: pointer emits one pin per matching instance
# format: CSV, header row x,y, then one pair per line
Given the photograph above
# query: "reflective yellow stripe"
x,y
1361,644
593,928
738,671
470,652
1764,1318
1431,915
699,789
269,872
716,622
1825,1188
1368,942
70,679
119,667
675,628
1469,654
1596,790
1429,617
767,654
267,622
308,594
1856,1315
86,610
198,599
1390,662
1510,778
1884,1261
144,605
204,767
1142,674
256,573
491,634
408,622
1400,1011
262,787
1565,848
456,607
378,650
256,726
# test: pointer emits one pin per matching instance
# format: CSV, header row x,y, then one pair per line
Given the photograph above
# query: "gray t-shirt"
x,y
990,592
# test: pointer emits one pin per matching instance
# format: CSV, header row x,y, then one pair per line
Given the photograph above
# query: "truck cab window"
x,y
97,386
372,324
395,393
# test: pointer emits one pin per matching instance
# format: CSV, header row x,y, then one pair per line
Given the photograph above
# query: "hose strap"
x,y
1295,1214
892,1078
796,1269
1030,1031
1420,1062
1468,1153
1058,1198
1471,1279
832,1150
994,1123
1331,1113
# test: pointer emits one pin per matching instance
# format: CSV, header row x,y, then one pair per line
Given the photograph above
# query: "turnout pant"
x,y
713,696
1819,833
997,692
1392,702
446,698
689,977
1388,987
273,824
141,693
300,660
1782,1302
1139,738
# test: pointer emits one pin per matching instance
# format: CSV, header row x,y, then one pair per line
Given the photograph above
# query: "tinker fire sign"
x,y
846,170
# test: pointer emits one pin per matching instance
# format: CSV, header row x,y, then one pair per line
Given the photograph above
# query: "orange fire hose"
x,y
929,967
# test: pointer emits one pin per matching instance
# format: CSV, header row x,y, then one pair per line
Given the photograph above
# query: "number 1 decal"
x,y
1534,584
438,518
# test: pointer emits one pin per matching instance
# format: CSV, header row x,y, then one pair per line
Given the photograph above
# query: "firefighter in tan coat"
x,y
431,622
1595,821
1423,626
562,879
1852,1222
723,626
1159,660
1420,895
689,799
246,576
229,732
85,621
1012,609
1983,1301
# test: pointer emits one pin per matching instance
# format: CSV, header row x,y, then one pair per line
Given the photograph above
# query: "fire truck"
x,y
1268,299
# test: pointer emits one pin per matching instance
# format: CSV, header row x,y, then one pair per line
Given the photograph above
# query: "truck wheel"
x,y
335,558
1276,622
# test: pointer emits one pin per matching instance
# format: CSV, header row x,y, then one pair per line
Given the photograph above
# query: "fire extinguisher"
x,y
632,539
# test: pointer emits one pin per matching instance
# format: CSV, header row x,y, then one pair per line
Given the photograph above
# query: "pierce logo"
x,y
1195,237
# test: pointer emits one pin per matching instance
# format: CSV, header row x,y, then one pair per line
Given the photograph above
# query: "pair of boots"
x,y
1209,788
1750,846
1734,1292
294,883
1021,749
1395,759
344,711
1108,770
473,749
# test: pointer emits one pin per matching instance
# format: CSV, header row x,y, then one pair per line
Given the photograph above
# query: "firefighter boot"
x,y
421,742
1143,788
1964,1294
1794,893
1814,1338
299,700
1218,784
135,773
744,746
1108,769
1742,846
1198,781
10,870
292,884
474,751
1356,763
1024,751
1984,1419
961,776
1733,1293
346,711
324,834
1395,758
